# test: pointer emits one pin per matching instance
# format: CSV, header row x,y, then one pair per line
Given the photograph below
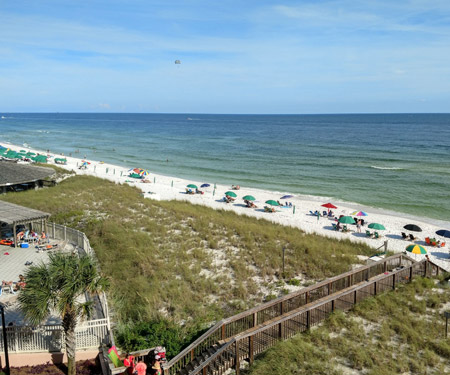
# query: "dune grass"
x,y
186,263
399,332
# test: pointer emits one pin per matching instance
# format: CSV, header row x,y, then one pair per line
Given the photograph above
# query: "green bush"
x,y
146,335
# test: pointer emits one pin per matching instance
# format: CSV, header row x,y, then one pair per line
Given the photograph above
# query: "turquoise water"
x,y
399,162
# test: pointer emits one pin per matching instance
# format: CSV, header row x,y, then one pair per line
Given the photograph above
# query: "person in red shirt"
x,y
129,363
141,368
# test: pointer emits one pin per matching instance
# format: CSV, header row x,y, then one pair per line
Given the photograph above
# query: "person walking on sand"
x,y
358,225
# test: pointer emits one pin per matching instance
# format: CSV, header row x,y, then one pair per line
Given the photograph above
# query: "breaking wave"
x,y
387,168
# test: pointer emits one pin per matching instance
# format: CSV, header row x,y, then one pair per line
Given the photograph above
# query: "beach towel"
x,y
113,356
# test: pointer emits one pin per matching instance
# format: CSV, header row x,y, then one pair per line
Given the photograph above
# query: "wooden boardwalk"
x,y
245,335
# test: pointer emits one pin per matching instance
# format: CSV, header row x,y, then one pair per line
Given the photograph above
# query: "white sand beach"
x,y
172,188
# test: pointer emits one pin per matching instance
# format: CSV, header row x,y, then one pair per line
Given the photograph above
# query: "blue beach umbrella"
x,y
205,185
443,233
287,196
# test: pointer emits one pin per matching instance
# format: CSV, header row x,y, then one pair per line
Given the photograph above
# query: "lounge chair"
x,y
334,225
345,229
368,234
324,213
412,238
427,240
376,235
405,237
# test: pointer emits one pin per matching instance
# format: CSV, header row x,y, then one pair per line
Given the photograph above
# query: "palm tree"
x,y
55,287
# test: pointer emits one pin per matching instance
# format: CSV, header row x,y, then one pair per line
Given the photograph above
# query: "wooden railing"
x,y
247,345
230,327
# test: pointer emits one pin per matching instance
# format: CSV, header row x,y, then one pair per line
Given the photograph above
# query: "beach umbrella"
x,y
329,205
144,173
249,198
205,185
443,233
287,196
416,249
192,186
359,213
231,194
412,228
376,226
272,202
346,220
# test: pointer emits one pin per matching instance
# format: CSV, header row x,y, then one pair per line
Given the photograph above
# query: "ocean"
x,y
397,162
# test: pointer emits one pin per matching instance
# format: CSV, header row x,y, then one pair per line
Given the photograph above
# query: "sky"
x,y
250,57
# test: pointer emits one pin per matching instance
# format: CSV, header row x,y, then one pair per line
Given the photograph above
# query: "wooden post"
x,y
250,349
255,319
306,298
236,358
15,234
280,330
447,315
308,319
204,371
330,288
385,266
223,331
410,273
354,298
192,354
332,305
281,308
426,268
393,281
375,288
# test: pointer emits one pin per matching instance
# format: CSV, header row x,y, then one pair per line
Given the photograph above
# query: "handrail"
x,y
188,350
309,309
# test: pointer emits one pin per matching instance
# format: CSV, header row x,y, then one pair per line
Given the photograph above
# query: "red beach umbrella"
x,y
329,205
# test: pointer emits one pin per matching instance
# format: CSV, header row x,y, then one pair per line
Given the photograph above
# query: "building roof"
x,y
14,214
14,173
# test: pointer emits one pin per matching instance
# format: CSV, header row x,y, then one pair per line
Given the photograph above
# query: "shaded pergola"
x,y
15,215
14,176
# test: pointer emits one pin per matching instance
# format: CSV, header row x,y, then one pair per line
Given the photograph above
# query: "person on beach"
x,y
358,225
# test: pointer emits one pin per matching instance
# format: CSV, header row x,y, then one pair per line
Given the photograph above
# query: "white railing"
x,y
50,338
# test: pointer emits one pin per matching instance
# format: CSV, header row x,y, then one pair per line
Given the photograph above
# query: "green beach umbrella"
x,y
231,194
249,198
272,202
376,226
416,249
346,220
192,186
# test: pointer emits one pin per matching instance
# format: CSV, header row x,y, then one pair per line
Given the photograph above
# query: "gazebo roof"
x,y
14,173
14,214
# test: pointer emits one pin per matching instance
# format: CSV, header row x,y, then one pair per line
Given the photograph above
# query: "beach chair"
x,y
405,237
427,240
334,225
376,235
442,244
368,234
324,213
344,228
412,238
